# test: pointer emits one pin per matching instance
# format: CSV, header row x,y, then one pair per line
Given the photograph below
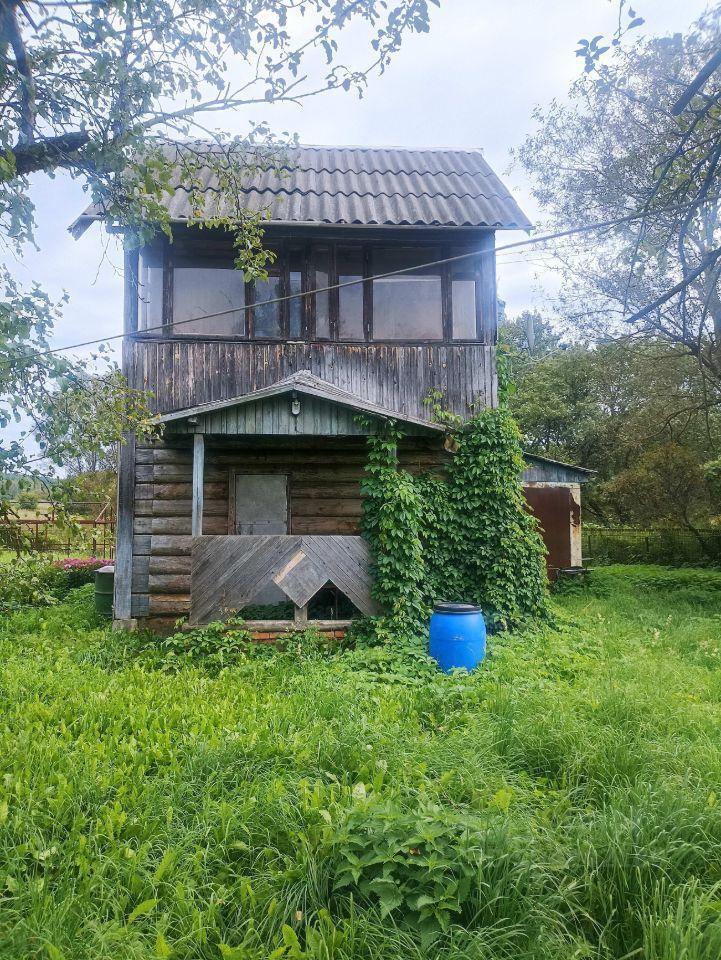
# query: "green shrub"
x,y
392,517
463,535
32,580
433,867
226,642
492,552
37,580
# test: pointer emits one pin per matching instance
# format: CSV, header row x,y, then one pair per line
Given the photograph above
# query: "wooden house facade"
x,y
382,293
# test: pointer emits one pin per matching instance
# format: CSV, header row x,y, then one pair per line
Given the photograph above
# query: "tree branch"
x,y
57,151
26,131
711,66
708,261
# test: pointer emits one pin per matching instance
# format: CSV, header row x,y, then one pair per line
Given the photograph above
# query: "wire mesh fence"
x,y
670,546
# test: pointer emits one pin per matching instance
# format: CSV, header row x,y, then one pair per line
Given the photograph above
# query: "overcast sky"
x,y
472,82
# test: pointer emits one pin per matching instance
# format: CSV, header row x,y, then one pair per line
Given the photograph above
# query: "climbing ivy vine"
x,y
464,534
392,516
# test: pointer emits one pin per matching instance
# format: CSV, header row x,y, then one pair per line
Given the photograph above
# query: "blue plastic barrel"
x,y
458,635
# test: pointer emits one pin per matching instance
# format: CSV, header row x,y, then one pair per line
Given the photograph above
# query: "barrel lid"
x,y
109,569
443,607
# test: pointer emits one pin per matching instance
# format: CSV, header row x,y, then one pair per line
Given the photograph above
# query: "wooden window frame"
x,y
446,304
282,265
169,266
486,312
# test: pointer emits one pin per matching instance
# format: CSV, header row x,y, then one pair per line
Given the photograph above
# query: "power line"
x,y
544,238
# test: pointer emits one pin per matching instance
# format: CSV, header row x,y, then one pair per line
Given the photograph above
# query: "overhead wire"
x,y
515,245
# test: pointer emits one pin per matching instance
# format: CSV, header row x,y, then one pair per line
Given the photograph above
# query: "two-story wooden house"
x,y
251,498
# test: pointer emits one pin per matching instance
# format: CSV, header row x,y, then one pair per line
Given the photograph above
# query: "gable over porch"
x,y
254,502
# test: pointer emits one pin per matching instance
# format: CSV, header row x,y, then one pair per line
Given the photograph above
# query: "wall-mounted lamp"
x,y
295,405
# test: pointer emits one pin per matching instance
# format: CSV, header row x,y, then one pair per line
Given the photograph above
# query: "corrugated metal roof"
x,y
367,186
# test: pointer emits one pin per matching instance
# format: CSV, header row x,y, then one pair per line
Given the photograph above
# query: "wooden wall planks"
x,y
399,377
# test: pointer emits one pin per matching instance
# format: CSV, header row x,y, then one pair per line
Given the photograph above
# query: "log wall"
x,y
324,493
324,496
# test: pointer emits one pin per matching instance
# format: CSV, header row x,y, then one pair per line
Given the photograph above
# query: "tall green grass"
x,y
570,789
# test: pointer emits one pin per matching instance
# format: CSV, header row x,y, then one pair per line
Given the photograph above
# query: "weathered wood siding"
x,y
540,470
399,377
273,417
227,573
324,493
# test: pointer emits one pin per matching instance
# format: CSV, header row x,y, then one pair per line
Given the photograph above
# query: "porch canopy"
x,y
229,572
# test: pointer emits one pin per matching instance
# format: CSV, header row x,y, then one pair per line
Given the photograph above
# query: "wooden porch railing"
x,y
227,573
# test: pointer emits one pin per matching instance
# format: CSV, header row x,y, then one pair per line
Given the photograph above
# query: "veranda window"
x,y
464,297
206,298
267,315
409,305
150,288
350,298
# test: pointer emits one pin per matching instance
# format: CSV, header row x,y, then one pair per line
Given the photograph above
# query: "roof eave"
x,y
78,227
588,473
306,383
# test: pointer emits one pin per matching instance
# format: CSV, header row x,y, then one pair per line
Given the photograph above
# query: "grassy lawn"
x,y
564,801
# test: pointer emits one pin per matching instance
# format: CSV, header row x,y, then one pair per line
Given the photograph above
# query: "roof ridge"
x,y
367,148
353,193
408,171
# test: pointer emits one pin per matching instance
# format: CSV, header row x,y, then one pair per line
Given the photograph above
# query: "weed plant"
x,y
564,801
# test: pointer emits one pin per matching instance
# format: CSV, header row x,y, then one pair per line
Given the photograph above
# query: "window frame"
x,y
191,262
284,247
442,275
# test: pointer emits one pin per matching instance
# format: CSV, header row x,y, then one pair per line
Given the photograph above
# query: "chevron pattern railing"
x,y
227,573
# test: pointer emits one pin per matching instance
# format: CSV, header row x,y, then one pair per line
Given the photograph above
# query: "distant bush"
x,y
28,500
79,570
38,581
31,580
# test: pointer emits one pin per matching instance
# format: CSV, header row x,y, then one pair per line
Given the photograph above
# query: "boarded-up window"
x,y
407,306
261,503
206,298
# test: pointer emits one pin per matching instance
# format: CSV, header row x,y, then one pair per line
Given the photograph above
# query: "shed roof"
x,y
364,186
544,469
304,382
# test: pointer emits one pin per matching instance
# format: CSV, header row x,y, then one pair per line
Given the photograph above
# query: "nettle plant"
x,y
463,535
422,866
